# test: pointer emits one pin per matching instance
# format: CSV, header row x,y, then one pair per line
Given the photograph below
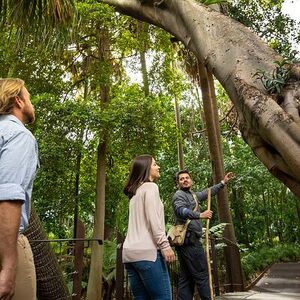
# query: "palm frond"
x,y
34,12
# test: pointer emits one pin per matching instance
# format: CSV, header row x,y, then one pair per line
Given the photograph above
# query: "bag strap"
x,y
196,200
195,208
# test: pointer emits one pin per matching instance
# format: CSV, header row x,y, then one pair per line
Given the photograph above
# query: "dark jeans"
x,y
193,270
149,280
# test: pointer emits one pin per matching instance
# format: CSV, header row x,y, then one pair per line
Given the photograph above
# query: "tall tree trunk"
x,y
76,189
267,220
234,54
51,284
94,291
179,135
178,125
78,164
232,254
143,30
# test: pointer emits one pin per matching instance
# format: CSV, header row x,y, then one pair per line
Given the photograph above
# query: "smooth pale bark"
x,y
234,54
180,154
143,29
94,290
179,137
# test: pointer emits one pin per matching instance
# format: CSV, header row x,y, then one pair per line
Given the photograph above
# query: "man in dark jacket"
x,y
192,259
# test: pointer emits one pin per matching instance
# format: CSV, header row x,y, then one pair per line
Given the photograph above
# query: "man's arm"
x,y
10,216
181,207
215,188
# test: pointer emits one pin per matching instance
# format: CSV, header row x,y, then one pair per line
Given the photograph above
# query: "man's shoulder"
x,y
10,122
12,136
12,126
182,192
179,194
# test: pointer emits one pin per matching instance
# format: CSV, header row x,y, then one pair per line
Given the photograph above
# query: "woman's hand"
x,y
168,254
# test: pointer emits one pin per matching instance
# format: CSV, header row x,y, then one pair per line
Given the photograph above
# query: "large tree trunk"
x,y
142,29
179,134
232,255
94,291
234,54
77,221
180,154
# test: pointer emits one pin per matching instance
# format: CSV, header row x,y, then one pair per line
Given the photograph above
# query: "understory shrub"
x,y
255,261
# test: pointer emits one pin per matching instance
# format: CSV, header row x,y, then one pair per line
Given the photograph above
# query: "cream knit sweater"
x,y
146,227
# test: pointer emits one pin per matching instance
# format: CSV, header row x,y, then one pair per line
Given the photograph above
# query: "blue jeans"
x,y
149,280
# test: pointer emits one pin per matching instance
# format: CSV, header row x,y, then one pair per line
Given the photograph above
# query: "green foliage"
x,y
70,125
262,207
218,230
275,82
25,13
71,119
265,18
257,260
109,260
58,129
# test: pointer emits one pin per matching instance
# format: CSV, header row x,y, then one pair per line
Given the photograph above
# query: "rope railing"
x,y
69,253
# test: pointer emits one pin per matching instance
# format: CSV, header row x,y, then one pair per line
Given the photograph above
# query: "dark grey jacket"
x,y
184,203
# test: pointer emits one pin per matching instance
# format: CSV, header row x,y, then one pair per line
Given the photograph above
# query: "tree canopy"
x,y
257,100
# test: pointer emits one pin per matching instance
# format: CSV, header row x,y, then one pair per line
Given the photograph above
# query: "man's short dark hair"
x,y
184,171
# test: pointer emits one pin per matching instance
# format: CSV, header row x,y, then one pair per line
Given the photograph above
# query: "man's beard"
x,y
30,117
185,188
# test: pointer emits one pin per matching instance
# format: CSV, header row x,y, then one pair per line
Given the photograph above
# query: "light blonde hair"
x,y
9,89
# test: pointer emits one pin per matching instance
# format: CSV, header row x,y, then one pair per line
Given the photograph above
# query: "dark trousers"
x,y
193,270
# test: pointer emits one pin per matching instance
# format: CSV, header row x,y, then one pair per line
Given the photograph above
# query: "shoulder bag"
x,y
177,233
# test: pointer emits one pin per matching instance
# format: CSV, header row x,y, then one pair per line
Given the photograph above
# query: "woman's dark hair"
x,y
139,173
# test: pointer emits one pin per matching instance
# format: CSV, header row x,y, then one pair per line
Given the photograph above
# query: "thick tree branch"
x,y
234,54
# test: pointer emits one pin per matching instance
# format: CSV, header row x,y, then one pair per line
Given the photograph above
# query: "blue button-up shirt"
x,y
18,164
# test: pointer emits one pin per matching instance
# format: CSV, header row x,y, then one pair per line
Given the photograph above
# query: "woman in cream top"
x,y
146,248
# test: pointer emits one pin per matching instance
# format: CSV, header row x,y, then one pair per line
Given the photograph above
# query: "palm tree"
x,y
27,13
25,16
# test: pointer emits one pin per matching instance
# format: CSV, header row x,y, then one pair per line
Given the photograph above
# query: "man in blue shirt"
x,y
18,166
